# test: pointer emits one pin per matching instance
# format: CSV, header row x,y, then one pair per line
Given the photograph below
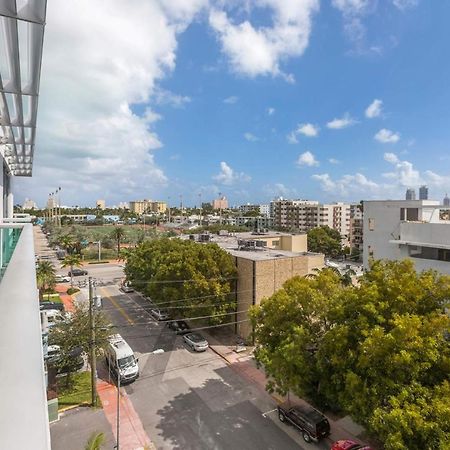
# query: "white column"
x,y
2,177
9,199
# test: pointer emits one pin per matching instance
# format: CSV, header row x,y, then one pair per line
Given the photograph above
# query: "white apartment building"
x,y
416,229
23,409
302,215
264,210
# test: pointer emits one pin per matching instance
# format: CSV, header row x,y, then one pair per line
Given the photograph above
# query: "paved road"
x,y
185,400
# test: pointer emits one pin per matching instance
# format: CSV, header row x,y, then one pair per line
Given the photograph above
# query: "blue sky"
x,y
331,100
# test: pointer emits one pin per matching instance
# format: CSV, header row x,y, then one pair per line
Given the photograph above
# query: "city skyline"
x,y
205,99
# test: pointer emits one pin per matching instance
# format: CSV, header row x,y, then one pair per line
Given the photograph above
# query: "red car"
x,y
349,445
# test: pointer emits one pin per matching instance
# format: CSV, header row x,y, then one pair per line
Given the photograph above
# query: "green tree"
x,y
378,351
95,442
71,261
45,277
118,234
197,279
74,333
325,240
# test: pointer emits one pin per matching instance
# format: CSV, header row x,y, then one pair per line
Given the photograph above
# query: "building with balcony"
x,y
415,229
23,408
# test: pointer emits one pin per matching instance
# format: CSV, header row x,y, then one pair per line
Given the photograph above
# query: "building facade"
x,y
264,262
220,203
100,204
29,204
410,194
356,229
302,215
415,229
24,420
423,193
147,206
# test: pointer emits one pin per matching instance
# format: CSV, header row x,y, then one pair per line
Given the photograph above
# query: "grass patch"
x,y
72,290
79,393
51,298
99,262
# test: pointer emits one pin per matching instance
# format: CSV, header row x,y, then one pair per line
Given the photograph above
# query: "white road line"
x,y
268,412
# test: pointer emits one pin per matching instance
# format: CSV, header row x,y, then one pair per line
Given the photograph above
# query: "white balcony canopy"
x,y
21,38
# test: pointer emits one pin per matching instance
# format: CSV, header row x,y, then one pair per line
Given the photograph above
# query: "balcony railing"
x,y
9,236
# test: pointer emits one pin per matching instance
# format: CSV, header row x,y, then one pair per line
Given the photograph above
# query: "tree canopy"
x,y
188,278
325,240
377,351
45,277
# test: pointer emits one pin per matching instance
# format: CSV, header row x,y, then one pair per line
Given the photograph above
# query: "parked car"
x,y
179,326
196,341
126,288
54,355
348,444
77,272
51,305
311,423
54,316
159,314
62,279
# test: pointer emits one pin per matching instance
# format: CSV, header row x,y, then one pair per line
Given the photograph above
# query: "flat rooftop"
x,y
230,244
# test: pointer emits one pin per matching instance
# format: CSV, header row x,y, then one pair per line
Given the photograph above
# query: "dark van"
x,y
313,425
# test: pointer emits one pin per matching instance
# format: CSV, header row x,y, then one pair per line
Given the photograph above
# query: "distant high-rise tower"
x,y
410,194
446,200
423,193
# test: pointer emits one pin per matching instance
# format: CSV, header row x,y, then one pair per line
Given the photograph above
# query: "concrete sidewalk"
x,y
245,364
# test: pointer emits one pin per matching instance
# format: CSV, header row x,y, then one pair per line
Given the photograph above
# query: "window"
x,y
371,224
409,214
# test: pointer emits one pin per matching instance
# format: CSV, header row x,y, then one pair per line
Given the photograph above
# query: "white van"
x,y
120,359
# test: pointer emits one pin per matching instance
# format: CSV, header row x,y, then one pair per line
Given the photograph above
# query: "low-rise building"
x,y
415,229
147,206
264,261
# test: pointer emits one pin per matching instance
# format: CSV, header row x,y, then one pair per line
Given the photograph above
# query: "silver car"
x,y
196,341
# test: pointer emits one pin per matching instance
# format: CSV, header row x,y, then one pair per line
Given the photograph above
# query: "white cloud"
x,y
254,51
307,129
307,159
228,176
347,185
343,122
279,190
405,4
404,174
250,137
270,111
386,136
165,97
374,109
89,136
231,100
333,161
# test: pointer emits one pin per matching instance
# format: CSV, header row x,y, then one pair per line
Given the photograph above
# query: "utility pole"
x,y
201,208
93,361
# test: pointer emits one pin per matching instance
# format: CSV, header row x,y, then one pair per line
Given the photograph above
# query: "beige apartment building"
x,y
264,261
220,203
147,206
100,204
302,215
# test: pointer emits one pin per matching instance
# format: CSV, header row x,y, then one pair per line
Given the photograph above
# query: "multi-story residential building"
x,y
220,203
302,215
147,206
23,409
257,223
100,204
410,194
264,261
264,210
423,192
446,201
416,229
29,204
356,227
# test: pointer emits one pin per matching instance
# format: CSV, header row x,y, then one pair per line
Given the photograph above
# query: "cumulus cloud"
x,y
386,136
404,173
231,100
307,159
228,176
333,161
89,134
250,137
338,123
374,109
254,51
405,4
347,185
307,129
279,190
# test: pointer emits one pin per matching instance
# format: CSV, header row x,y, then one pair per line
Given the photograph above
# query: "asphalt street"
x,y
185,400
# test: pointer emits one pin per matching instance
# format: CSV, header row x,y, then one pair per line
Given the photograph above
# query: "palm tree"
x,y
118,234
67,242
71,261
45,277
95,442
